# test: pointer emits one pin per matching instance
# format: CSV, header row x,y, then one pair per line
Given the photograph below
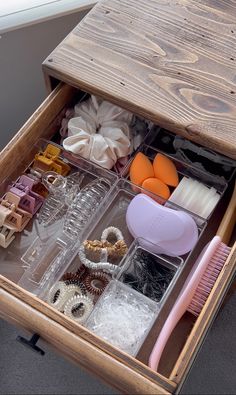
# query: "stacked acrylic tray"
x,y
192,154
141,275
193,190
132,301
70,195
105,251
139,298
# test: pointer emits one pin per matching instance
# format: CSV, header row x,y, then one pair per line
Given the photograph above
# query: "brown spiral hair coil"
x,y
79,275
90,282
82,272
68,276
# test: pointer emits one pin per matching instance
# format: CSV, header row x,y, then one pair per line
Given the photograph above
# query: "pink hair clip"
x,y
29,200
11,215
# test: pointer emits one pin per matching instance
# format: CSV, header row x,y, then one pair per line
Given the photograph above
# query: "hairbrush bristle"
x,y
209,278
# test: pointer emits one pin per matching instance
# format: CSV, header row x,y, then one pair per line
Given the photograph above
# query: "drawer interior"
x,y
35,136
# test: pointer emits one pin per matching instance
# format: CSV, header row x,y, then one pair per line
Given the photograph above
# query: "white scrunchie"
x,y
99,132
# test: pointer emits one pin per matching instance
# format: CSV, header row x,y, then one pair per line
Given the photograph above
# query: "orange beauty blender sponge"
x,y
165,170
141,168
157,187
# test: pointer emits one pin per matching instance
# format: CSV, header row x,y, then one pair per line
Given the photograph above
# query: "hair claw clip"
x,y
83,205
11,215
6,236
29,200
61,192
49,161
38,187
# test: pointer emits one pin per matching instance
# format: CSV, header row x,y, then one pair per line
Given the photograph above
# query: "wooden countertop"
x,y
173,62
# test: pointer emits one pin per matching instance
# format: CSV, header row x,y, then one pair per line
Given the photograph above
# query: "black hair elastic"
x,y
147,275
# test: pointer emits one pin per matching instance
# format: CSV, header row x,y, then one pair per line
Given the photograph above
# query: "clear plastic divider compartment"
x,y
197,192
152,275
123,317
40,253
112,213
193,154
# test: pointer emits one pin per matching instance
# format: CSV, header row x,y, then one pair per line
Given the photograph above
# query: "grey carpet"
x,y
23,372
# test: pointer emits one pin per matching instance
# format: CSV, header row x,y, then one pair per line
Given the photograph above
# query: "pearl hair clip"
x,y
104,249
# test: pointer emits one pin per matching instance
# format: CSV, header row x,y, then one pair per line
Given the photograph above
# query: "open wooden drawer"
x,y
127,374
109,55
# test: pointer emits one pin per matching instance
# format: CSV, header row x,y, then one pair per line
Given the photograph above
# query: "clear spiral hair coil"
x,y
79,308
60,293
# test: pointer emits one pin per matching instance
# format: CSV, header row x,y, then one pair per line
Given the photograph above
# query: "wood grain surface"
x,y
171,61
17,154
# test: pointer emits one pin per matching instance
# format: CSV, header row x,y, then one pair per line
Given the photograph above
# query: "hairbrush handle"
x,y
229,219
191,284
183,301
181,305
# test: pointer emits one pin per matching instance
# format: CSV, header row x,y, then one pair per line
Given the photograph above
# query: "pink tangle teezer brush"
x,y
199,282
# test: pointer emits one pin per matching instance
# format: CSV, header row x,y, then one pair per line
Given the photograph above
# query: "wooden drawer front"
x,y
121,371
117,374
27,311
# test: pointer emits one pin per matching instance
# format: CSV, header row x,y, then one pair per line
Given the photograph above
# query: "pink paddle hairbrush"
x,y
199,282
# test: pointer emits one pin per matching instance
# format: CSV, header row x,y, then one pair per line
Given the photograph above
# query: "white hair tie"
x,y
104,249
78,308
60,293
112,230
103,264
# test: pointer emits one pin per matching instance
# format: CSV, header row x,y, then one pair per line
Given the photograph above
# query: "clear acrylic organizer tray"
x,y
123,317
193,154
184,171
39,254
112,213
152,275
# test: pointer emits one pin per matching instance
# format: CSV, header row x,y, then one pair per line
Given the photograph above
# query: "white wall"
x,y
22,86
